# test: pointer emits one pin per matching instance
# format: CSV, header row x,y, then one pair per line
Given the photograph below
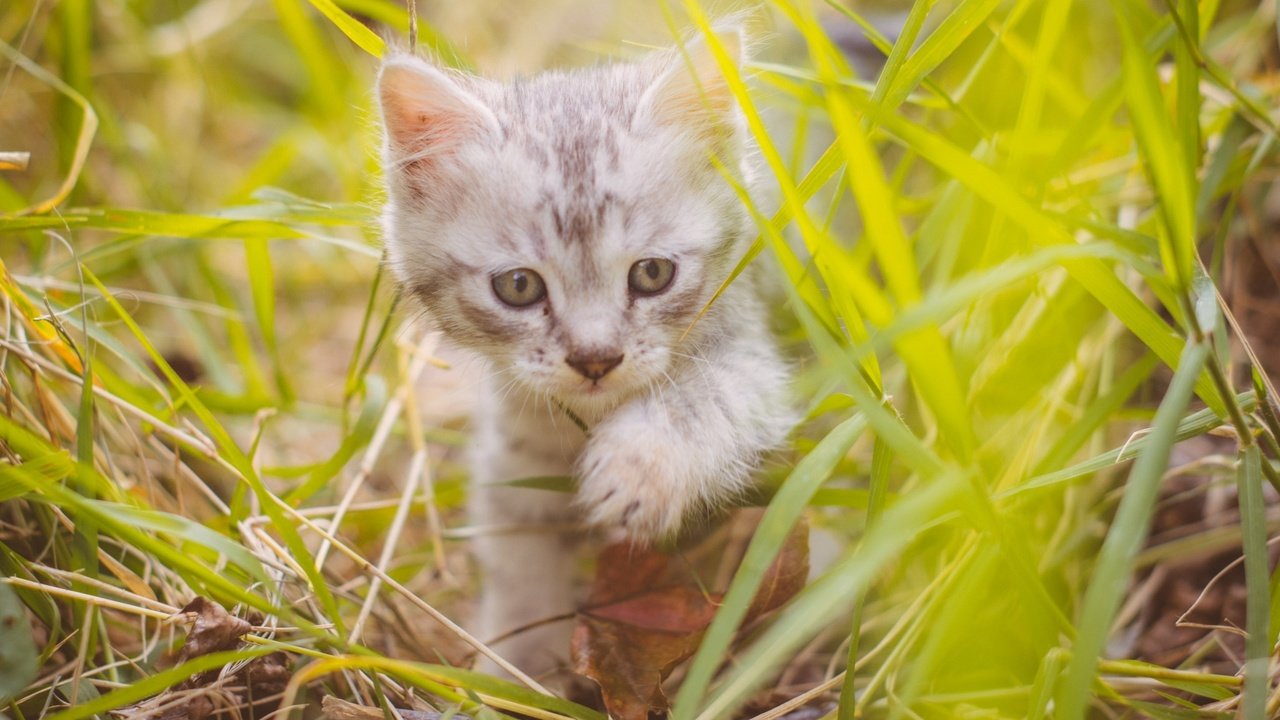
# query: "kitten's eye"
x,y
519,287
651,275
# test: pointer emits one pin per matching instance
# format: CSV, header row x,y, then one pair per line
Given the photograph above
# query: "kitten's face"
x,y
569,227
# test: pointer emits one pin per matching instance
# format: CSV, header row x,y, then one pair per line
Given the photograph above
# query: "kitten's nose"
x,y
593,366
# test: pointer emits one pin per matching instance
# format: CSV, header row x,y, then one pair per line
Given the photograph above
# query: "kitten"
x,y
568,228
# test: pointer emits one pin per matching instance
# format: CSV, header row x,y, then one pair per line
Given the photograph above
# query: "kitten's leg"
x,y
687,446
526,562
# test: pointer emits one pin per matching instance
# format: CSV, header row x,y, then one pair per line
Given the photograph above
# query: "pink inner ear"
x,y
694,92
424,110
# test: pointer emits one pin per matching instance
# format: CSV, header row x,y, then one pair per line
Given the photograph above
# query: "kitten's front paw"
x,y
633,485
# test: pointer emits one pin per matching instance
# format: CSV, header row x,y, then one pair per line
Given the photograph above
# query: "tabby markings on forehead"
x,y
575,158
579,227
579,219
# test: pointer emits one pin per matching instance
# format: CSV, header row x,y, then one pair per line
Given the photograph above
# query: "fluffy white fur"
x,y
577,176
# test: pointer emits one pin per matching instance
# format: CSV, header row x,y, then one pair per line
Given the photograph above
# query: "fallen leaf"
x,y
265,677
214,629
646,613
786,576
253,690
677,610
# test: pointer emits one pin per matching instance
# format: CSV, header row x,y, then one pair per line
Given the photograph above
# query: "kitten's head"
x,y
569,226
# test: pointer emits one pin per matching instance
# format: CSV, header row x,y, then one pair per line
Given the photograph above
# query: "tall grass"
x,y
1002,257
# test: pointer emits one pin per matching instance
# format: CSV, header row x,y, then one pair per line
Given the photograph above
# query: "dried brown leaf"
x,y
786,576
214,629
252,691
646,613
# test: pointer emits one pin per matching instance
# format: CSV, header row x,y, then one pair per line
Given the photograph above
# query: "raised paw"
x,y
634,489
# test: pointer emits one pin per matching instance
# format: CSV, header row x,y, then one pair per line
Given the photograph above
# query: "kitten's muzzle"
x,y
593,366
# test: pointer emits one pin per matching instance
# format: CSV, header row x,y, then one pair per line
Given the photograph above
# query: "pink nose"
x,y
594,366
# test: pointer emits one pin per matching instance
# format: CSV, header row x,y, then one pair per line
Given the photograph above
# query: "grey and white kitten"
x,y
569,228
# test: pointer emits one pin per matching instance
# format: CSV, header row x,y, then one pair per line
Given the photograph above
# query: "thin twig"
x,y
418,437
413,598
391,543
14,160
90,599
426,346
412,7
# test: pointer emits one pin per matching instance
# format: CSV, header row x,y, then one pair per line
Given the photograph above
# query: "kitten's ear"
x,y
692,91
426,111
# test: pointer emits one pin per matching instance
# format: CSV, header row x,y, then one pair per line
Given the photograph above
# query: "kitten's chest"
x,y
522,435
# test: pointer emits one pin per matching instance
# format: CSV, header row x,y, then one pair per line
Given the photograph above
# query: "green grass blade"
x,y
1253,516
1093,122
901,50
926,353
1053,24
1194,424
271,505
1187,77
1099,411
812,236
355,30
146,222
954,29
354,440
262,287
815,606
876,502
355,368
178,527
106,517
473,684
1128,531
84,420
949,299
888,426
89,118
779,518
322,65
823,169
158,683
1165,160
1094,276
1218,175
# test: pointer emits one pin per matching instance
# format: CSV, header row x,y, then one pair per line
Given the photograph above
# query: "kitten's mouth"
x,y
596,388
